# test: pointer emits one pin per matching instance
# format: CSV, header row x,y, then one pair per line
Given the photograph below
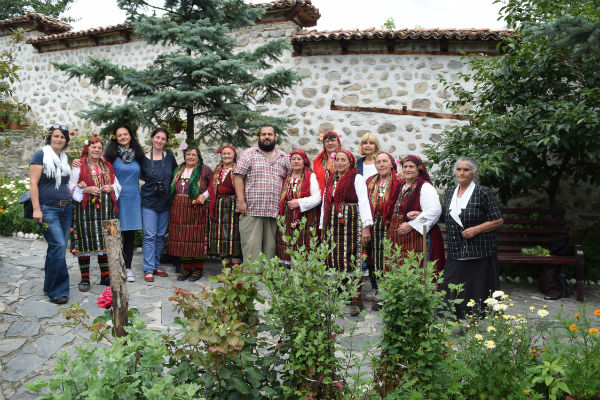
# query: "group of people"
x,y
231,212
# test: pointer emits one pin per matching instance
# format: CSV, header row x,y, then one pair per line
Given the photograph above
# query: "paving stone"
x,y
23,329
7,346
31,286
7,289
47,345
37,309
20,366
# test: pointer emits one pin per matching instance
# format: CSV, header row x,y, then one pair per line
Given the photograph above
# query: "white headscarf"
x,y
55,167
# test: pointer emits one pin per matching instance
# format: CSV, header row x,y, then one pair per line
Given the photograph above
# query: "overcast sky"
x,y
336,14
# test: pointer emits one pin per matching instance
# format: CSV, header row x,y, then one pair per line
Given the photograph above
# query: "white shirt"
x,y
310,202
77,192
368,171
431,209
364,207
457,204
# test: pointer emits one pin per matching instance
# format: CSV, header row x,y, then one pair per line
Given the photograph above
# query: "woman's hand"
x,y
293,204
404,229
201,199
413,214
471,232
400,175
366,234
37,215
108,188
82,185
76,163
93,190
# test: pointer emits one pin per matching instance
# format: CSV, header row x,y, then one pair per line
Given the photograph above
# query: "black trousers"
x,y
128,244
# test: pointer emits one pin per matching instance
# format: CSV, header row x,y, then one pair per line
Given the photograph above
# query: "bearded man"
x,y
258,179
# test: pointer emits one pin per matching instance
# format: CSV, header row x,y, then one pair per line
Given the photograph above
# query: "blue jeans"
x,y
59,218
155,225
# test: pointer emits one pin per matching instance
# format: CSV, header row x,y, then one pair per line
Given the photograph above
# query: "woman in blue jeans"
x,y
156,170
49,174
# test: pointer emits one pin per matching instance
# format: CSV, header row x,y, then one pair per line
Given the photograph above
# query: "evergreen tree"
x,y
534,112
200,84
51,8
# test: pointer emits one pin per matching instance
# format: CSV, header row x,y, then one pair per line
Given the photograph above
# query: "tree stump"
x,y
116,264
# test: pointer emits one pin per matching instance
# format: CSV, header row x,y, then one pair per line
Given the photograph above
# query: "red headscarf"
x,y
305,190
342,187
212,188
415,196
318,163
85,174
394,191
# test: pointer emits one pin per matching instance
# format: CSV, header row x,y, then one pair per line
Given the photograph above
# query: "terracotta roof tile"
x,y
304,12
83,33
43,23
403,34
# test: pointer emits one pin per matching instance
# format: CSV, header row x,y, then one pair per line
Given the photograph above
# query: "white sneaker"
x,y
130,276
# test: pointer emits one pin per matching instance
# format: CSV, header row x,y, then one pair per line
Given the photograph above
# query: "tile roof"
x,y
303,12
403,34
43,23
83,33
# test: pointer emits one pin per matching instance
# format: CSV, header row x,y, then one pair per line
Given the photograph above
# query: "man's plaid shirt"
x,y
263,179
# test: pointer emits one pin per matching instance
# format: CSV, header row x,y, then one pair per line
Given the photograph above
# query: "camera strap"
x,y
162,164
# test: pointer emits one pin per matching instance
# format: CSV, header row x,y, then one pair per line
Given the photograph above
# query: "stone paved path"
x,y
30,326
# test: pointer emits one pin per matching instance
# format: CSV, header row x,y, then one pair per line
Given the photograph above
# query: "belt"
x,y
61,203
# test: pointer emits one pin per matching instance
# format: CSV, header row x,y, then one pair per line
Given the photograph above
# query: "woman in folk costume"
x,y
346,213
95,189
223,231
417,207
188,214
383,189
324,164
300,196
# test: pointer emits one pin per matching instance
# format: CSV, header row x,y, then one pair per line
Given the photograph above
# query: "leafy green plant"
x,y
536,251
11,212
221,347
416,325
552,375
306,307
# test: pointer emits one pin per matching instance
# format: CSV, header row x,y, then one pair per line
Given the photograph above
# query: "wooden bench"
x,y
530,227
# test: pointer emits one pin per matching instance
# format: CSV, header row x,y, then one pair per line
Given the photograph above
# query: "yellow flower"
x,y
573,328
471,303
491,329
505,296
597,313
531,308
576,315
478,337
545,306
593,331
489,344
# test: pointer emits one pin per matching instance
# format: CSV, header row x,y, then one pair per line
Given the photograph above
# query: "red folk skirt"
x,y
187,228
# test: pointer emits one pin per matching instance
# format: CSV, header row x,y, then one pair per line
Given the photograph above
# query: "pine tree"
x,y
201,84
51,8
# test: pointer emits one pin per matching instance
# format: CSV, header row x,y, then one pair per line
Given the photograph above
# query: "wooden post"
x,y
425,246
114,251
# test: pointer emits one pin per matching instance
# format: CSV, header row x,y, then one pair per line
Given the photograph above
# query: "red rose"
x,y
105,299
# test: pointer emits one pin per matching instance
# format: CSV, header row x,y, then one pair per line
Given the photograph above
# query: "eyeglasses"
x,y
61,127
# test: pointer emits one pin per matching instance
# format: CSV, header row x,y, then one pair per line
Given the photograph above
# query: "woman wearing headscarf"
x,y
95,190
324,164
383,189
125,154
300,196
417,208
49,173
472,216
188,214
223,231
346,214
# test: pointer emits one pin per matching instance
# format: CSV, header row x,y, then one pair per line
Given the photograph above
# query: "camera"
x,y
159,189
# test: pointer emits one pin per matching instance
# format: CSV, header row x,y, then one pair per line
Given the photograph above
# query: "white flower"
x,y
497,293
542,313
500,307
491,329
489,344
491,302
471,303
478,336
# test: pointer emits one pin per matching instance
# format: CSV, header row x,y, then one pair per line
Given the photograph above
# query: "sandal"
x,y
84,286
183,276
195,276
149,277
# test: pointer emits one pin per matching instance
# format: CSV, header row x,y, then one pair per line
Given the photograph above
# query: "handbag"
x,y
25,199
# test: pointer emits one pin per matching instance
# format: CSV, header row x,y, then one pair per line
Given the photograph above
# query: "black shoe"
x,y
355,311
105,280
195,276
183,276
376,307
84,286
60,300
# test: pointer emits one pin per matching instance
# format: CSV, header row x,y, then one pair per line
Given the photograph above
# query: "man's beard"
x,y
266,147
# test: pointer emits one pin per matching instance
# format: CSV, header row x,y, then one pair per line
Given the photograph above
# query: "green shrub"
x,y
11,212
